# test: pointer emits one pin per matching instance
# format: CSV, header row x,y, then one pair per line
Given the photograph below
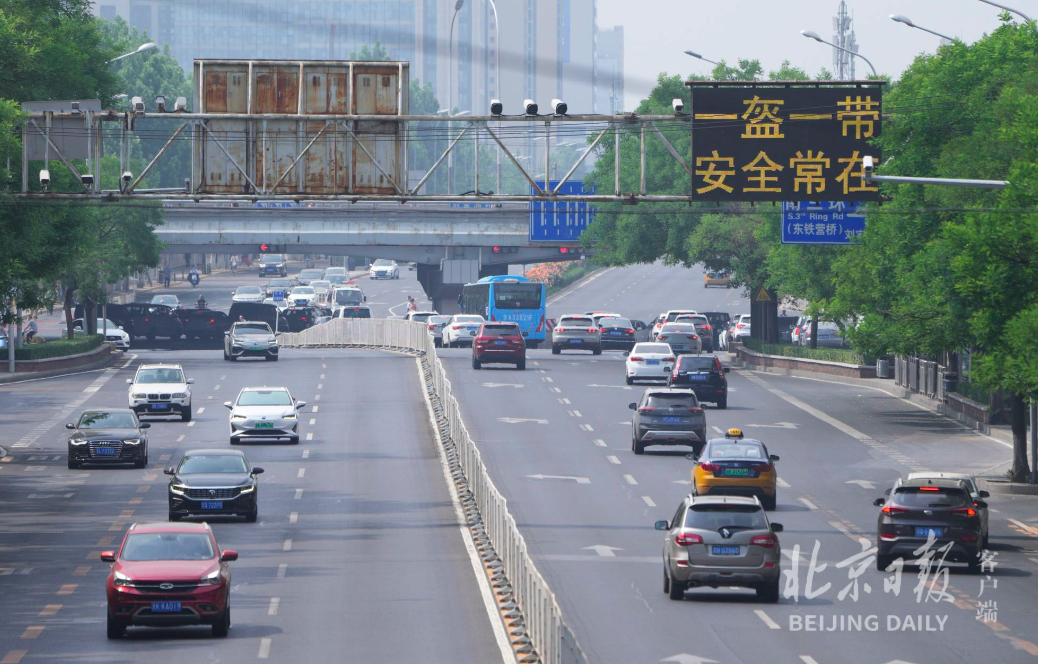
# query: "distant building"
x,y
609,70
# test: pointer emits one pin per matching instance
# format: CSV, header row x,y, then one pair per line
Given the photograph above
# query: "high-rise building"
x,y
609,70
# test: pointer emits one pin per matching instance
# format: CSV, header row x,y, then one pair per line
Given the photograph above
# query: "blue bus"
x,y
508,298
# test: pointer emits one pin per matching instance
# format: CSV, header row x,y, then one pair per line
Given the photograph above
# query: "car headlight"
x,y
178,489
236,416
77,442
180,395
238,340
248,489
211,579
132,441
289,416
140,395
122,580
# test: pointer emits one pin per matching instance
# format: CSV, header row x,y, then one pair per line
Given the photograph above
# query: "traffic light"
x,y
506,250
563,250
267,248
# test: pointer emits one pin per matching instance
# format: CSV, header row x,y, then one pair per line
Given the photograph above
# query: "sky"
x,y
769,30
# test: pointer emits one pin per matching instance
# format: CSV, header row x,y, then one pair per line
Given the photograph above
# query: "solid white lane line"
x,y
313,421
264,649
599,442
306,454
784,484
808,503
287,545
282,570
310,436
293,517
272,610
767,619
299,494
648,501
630,479
302,471
613,459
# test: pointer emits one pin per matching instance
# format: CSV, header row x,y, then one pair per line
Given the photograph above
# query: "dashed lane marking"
x,y
599,442
272,610
315,409
82,570
783,483
67,589
767,619
310,436
306,454
808,503
613,459
630,479
201,410
264,649
50,610
302,471
13,657
293,517
313,421
282,570
287,546
299,494
807,659
648,501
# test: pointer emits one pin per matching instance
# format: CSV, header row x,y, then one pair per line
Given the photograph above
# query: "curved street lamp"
x,y
1008,9
696,55
814,36
907,21
140,49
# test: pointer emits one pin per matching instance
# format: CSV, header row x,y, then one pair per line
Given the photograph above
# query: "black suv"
x,y
108,435
273,265
151,320
719,322
667,417
268,313
300,318
214,482
204,323
704,375
917,509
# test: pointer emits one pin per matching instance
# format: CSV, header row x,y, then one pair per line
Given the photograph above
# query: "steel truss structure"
x,y
197,126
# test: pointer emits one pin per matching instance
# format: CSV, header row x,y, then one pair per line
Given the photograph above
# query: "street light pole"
x,y
140,49
696,55
814,36
497,78
450,91
907,21
1008,9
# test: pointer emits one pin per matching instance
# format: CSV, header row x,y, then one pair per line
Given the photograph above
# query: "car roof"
x,y
106,410
937,482
169,527
580,316
932,474
741,441
162,365
261,389
654,391
215,451
722,500
255,322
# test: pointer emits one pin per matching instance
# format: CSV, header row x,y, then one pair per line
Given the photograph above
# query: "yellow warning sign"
x,y
762,295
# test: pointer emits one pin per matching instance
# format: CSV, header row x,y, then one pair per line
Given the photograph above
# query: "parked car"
x,y
499,343
204,323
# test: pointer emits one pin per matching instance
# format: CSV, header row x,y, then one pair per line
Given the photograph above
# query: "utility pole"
x,y
843,38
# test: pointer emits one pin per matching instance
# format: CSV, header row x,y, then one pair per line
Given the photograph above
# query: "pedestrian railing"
x,y
550,636
925,377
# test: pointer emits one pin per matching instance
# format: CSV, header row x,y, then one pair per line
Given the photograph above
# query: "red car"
x,y
499,343
168,574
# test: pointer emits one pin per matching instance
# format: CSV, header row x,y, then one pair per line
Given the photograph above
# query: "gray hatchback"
x,y
716,541
667,416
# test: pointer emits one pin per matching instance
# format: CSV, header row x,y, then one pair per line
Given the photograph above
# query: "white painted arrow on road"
x,y
518,420
603,550
685,658
578,480
777,425
864,484
501,385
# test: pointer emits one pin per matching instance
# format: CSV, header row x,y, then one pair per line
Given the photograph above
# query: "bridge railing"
x,y
548,632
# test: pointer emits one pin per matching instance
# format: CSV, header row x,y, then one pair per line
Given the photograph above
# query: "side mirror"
x,y
169,471
278,333
776,528
981,504
728,370
300,404
879,502
985,494
190,381
632,406
228,405
228,556
627,353
108,556
70,426
886,492
145,425
773,458
257,471
662,525
129,381
691,457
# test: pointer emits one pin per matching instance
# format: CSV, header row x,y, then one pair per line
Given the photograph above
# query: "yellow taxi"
x,y
736,466
716,278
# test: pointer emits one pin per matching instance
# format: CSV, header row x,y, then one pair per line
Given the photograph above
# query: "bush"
x,y
974,392
58,348
576,270
843,355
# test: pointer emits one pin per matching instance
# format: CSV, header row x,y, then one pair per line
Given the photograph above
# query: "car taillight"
x,y
710,467
707,328
766,541
668,359
432,327
894,509
592,329
687,539
493,318
765,467
455,327
739,326
646,409
513,338
967,512
694,409
636,359
888,537
560,329
630,331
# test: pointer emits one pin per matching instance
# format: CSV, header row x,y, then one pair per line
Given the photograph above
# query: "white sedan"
x,y
461,330
649,361
302,296
264,413
323,288
248,294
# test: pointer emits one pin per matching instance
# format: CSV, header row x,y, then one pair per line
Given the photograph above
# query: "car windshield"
x,y
222,463
673,316
164,299
615,322
518,296
695,363
279,283
107,421
248,290
576,322
320,283
383,262
101,323
303,290
929,497
168,546
678,328
264,398
173,375
716,274
252,328
336,278
652,349
270,259
421,317
671,400
735,451
439,320
311,274
468,319
357,312
348,296
713,516
500,331
693,320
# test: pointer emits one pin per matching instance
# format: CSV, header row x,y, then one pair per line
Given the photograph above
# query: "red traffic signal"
x,y
266,248
563,250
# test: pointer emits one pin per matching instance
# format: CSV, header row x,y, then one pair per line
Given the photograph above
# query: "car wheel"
x,y
72,464
974,563
140,463
883,562
115,628
294,440
555,350
769,593
597,351
723,403
185,415
252,516
221,628
637,446
676,590
984,542
769,502
476,364
630,381
235,440
521,364
666,580
151,334
175,517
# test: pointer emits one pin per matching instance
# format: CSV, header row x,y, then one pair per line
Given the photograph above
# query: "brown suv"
x,y
499,343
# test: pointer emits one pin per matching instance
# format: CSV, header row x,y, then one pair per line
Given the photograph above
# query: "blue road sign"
x,y
563,221
278,295
822,222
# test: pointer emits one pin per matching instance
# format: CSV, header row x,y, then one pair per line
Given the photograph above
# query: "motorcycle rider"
x,y
192,276
201,304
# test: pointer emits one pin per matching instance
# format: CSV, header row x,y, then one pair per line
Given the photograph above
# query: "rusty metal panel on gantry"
x,y
225,90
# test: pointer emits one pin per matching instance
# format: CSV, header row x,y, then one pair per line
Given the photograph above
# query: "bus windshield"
x,y
517,296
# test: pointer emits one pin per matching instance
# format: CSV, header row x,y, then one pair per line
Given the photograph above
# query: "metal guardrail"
x,y
922,376
549,634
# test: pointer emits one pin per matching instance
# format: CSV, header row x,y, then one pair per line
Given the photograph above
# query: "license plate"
x,y
165,607
925,532
159,406
255,347
699,377
736,472
576,341
500,343
616,333
671,420
105,451
652,362
264,425
212,504
724,550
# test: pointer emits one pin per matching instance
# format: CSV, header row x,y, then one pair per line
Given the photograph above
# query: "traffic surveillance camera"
x,y
496,107
75,107
137,104
868,165
559,107
530,106
127,177
44,177
679,106
180,104
87,179
160,103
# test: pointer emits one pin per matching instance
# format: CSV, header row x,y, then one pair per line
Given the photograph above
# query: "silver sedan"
x,y
264,413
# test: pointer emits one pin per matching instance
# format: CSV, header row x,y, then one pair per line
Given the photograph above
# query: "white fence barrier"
x,y
549,634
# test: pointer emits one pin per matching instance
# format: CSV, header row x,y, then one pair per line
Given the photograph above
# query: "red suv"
x,y
499,343
168,574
